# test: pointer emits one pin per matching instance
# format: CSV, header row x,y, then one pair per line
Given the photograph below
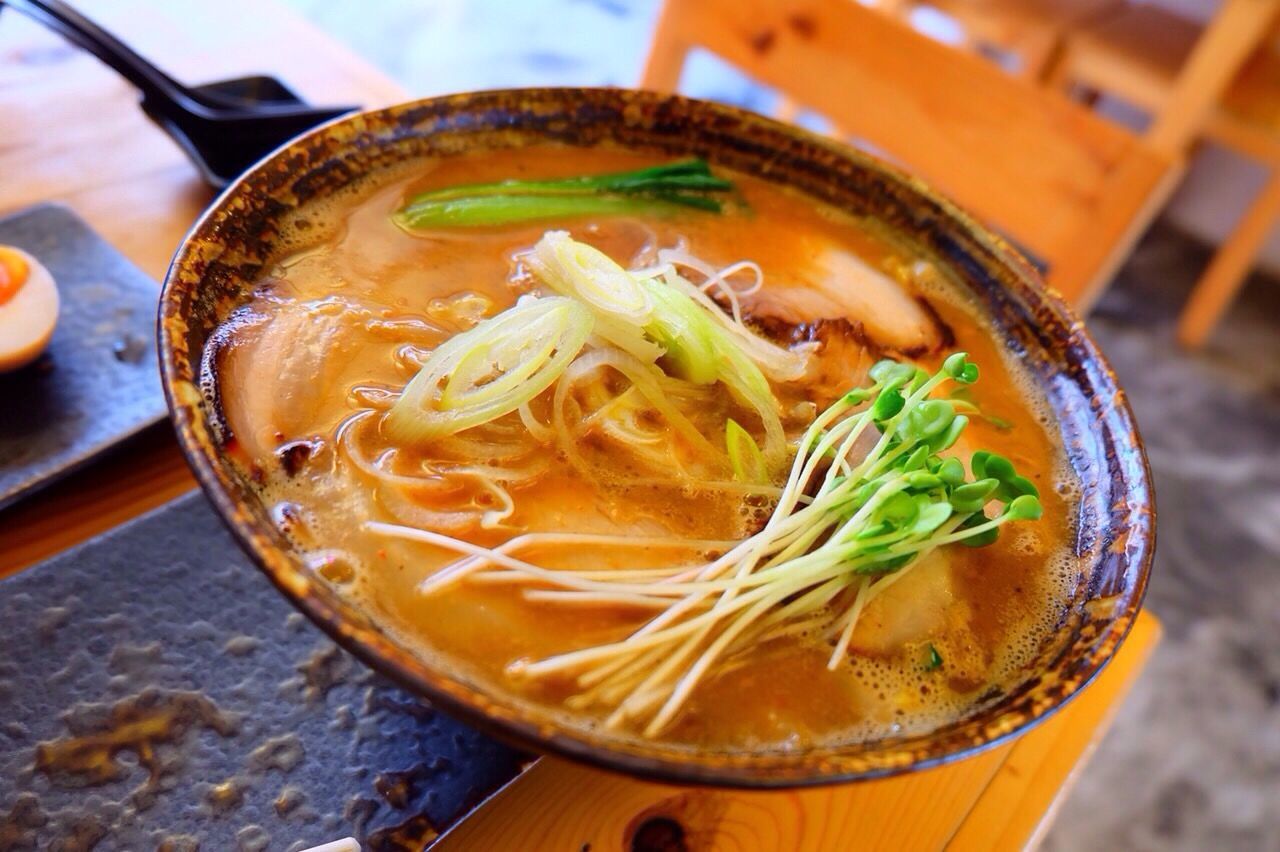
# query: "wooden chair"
x,y
1031,32
1069,187
1220,82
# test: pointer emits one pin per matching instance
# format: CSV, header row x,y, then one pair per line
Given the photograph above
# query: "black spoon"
x,y
224,127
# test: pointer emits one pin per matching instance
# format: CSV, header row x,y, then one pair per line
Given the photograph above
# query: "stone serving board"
x,y
157,693
99,382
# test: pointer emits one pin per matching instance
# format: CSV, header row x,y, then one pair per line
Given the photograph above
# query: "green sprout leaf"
x,y
916,460
889,372
887,404
930,518
857,395
978,463
951,471
922,480
930,418
947,439
972,496
960,368
1024,508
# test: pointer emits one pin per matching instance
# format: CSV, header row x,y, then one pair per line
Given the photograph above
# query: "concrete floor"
x,y
1193,761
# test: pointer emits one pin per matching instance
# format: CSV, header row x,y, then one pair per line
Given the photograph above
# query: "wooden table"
x,y
73,133
1002,799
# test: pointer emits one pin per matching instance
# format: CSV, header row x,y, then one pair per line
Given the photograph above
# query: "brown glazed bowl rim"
x,y
227,246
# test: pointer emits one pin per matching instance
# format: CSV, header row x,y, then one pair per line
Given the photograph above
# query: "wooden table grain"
x,y
72,132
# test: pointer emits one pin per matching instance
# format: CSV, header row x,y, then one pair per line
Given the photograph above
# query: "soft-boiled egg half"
x,y
28,308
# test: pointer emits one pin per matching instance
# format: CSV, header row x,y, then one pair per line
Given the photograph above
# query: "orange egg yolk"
x,y
13,273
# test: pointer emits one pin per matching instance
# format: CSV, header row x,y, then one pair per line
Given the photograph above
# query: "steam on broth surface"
x,y
306,373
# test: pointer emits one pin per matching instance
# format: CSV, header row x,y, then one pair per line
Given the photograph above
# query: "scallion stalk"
x,y
657,189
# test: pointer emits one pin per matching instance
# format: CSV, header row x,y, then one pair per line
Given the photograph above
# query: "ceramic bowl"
x,y
215,267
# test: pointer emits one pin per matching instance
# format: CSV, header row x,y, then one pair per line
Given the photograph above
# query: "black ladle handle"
x,y
156,86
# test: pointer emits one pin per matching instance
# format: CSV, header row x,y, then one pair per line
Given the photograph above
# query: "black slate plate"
x,y
98,383
154,687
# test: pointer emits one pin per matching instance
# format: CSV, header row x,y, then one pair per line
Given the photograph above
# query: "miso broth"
x,y
304,373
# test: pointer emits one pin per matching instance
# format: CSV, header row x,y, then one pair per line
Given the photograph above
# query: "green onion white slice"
x,y
621,306
778,363
491,369
649,319
690,343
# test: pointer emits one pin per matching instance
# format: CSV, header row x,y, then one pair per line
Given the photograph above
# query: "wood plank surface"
x,y
1063,183
1018,806
73,133
997,800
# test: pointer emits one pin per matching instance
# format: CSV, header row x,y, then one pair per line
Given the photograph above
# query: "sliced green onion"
x,y
490,370
779,364
749,386
682,175
686,334
495,368
744,455
649,319
621,305
489,210
667,188
699,349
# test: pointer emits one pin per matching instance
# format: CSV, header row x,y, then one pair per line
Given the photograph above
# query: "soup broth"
x,y
304,372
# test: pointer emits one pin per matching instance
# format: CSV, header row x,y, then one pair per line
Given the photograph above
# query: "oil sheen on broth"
x,y
347,314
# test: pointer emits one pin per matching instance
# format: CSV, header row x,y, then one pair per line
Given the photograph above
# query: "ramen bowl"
x,y
241,234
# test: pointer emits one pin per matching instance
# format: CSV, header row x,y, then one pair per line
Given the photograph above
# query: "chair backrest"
x,y
1239,29
1071,188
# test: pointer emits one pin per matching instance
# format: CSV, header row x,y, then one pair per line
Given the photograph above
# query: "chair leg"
x,y
1058,71
1226,274
787,110
893,8
1036,50
667,53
